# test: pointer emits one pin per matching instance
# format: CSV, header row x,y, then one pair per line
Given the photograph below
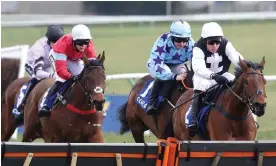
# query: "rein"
x,y
246,99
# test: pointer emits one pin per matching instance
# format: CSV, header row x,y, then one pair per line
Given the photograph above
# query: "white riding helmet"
x,y
180,29
80,32
211,29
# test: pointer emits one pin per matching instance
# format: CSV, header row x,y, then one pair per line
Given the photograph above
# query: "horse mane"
x,y
256,66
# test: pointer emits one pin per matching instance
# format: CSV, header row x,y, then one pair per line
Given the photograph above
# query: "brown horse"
x,y
78,117
134,118
8,125
9,73
230,118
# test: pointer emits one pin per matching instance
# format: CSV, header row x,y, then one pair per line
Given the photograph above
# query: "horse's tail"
x,y
122,117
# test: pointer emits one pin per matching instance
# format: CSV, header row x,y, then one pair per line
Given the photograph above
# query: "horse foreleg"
x,y
8,128
31,132
137,128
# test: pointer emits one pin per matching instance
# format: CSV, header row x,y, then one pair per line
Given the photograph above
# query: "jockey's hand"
x,y
181,77
75,77
220,79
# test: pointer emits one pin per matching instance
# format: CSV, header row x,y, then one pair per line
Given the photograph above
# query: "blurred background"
x,y
133,7
128,30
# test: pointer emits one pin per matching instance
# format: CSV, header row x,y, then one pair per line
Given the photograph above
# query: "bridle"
x,y
247,99
89,93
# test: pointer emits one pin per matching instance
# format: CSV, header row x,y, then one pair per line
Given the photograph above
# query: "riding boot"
x,y
32,83
18,112
157,85
193,125
45,110
167,89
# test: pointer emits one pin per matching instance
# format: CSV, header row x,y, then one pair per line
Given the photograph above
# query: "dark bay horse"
x,y
230,118
10,85
9,73
8,125
134,118
79,117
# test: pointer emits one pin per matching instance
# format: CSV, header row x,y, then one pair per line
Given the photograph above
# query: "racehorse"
x,y
229,115
134,118
9,73
8,124
77,115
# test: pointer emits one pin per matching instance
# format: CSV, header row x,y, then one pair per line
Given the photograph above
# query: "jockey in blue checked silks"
x,y
168,55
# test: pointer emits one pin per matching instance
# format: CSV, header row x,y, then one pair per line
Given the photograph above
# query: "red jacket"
x,y
66,51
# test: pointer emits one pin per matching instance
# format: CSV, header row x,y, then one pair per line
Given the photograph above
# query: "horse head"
x,y
93,82
252,85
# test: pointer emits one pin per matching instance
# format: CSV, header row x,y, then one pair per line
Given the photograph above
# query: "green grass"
x,y
128,48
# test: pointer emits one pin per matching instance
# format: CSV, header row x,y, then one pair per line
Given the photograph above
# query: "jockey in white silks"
x,y
168,55
212,57
37,66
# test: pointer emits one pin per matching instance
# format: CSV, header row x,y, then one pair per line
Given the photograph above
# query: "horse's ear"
x,y
99,56
262,63
102,57
243,65
85,60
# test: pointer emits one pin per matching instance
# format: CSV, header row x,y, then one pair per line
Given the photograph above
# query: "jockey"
x,y
38,66
168,55
66,59
212,57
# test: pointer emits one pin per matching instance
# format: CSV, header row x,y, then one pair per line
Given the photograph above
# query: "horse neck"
x,y
77,96
232,103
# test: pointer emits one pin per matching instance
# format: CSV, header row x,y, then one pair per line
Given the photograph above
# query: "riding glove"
x,y
220,79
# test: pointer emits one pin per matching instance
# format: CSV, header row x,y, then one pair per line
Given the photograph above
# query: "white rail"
x,y
16,20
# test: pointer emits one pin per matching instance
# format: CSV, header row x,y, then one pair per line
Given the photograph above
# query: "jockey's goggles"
x,y
212,42
179,39
81,42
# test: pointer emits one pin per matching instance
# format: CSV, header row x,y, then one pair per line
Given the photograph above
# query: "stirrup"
x,y
19,120
44,112
196,124
45,108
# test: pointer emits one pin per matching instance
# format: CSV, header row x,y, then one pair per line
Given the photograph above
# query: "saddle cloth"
x,y
52,98
201,117
143,97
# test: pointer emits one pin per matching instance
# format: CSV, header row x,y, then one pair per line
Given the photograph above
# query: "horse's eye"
x,y
246,81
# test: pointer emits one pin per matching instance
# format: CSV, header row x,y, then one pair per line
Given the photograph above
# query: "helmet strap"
x,y
75,47
173,41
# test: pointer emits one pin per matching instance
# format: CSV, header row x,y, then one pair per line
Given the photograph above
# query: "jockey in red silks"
x,y
38,67
66,59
